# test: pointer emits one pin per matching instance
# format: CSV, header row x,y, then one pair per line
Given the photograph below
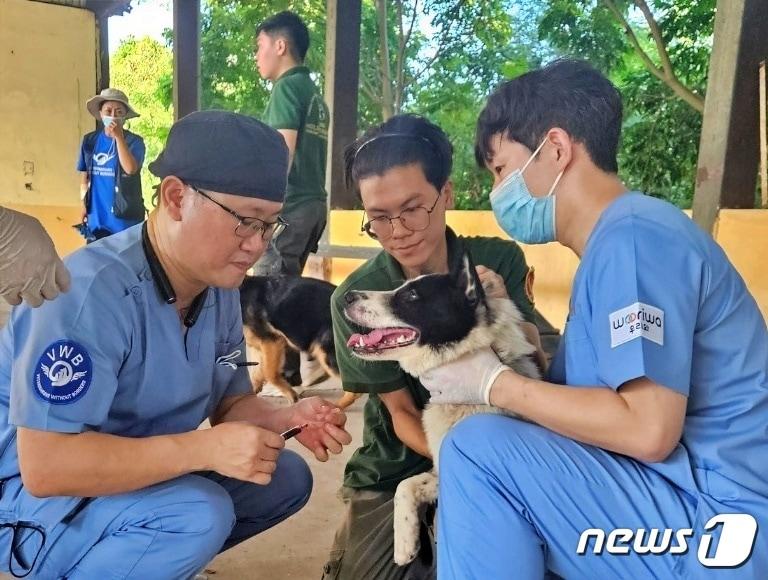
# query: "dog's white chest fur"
x,y
505,336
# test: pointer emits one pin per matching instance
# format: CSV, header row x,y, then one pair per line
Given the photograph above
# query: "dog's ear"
x,y
468,281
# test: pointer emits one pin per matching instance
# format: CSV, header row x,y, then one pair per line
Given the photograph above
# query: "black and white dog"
x,y
426,322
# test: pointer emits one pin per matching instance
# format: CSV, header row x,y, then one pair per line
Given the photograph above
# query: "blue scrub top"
x,y
110,356
656,297
103,170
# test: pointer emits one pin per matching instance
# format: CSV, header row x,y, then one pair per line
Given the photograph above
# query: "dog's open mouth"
x,y
381,339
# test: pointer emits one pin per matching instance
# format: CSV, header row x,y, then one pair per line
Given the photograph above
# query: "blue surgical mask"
x,y
525,218
107,119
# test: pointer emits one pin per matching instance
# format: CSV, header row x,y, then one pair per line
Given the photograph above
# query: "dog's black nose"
x,y
352,296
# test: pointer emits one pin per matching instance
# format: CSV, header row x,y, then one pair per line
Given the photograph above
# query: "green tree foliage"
x,y
229,78
442,58
657,53
140,67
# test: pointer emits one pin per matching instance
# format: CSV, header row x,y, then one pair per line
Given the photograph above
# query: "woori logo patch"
x,y
637,320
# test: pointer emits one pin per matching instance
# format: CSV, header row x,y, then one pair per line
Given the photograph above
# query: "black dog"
x,y
282,312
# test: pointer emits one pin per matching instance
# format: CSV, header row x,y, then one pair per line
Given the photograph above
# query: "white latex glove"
x,y
30,268
465,381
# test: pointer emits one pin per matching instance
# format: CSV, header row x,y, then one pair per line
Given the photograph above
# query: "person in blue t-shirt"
x,y
108,159
651,432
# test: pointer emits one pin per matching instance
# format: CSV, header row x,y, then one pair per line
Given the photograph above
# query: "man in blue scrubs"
x,y
655,414
103,471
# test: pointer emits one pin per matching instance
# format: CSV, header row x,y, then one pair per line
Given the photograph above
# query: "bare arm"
x,y
83,191
290,136
406,419
83,184
56,463
643,419
93,464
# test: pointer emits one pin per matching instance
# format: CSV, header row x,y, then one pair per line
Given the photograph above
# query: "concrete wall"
x,y
47,71
742,233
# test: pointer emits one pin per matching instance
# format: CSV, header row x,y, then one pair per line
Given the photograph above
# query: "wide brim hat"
x,y
94,103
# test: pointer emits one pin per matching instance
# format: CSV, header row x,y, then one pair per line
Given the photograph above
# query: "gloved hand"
x,y
30,269
465,381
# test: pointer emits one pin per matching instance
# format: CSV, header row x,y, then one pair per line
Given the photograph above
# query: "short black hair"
x,y
401,140
292,28
566,93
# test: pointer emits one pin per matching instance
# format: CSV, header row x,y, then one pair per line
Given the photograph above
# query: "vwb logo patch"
x,y
63,373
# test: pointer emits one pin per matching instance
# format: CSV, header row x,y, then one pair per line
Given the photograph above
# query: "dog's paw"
x,y
406,529
405,550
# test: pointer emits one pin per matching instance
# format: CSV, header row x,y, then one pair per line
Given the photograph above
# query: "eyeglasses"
x,y
414,219
31,538
249,226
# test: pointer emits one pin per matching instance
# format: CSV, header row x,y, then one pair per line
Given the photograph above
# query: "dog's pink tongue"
x,y
373,337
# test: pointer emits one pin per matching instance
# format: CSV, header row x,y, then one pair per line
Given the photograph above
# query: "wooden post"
x,y
728,154
342,72
186,57
763,138
102,26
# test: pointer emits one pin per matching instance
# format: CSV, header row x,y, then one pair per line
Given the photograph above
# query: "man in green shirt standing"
x,y
401,170
297,111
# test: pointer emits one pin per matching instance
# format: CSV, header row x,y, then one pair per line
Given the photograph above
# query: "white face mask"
x,y
525,218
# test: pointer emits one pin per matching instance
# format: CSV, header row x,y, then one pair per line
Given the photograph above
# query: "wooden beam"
x,y
342,71
728,151
763,138
102,26
186,57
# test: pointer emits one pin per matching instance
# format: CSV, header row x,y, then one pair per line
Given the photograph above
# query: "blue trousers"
x,y
166,531
515,499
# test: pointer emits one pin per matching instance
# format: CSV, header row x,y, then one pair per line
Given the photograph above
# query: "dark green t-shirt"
x,y
383,461
295,103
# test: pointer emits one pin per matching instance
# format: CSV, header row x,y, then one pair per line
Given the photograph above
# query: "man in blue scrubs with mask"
x,y
103,471
654,413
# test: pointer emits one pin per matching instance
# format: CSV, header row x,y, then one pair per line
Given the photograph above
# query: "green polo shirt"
x,y
383,461
295,103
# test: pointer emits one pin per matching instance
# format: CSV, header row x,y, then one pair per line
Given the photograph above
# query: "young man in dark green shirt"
x,y
297,111
401,171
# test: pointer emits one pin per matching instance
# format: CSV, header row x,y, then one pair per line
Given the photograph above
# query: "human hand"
x,y
492,283
114,130
244,451
30,268
465,381
325,430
